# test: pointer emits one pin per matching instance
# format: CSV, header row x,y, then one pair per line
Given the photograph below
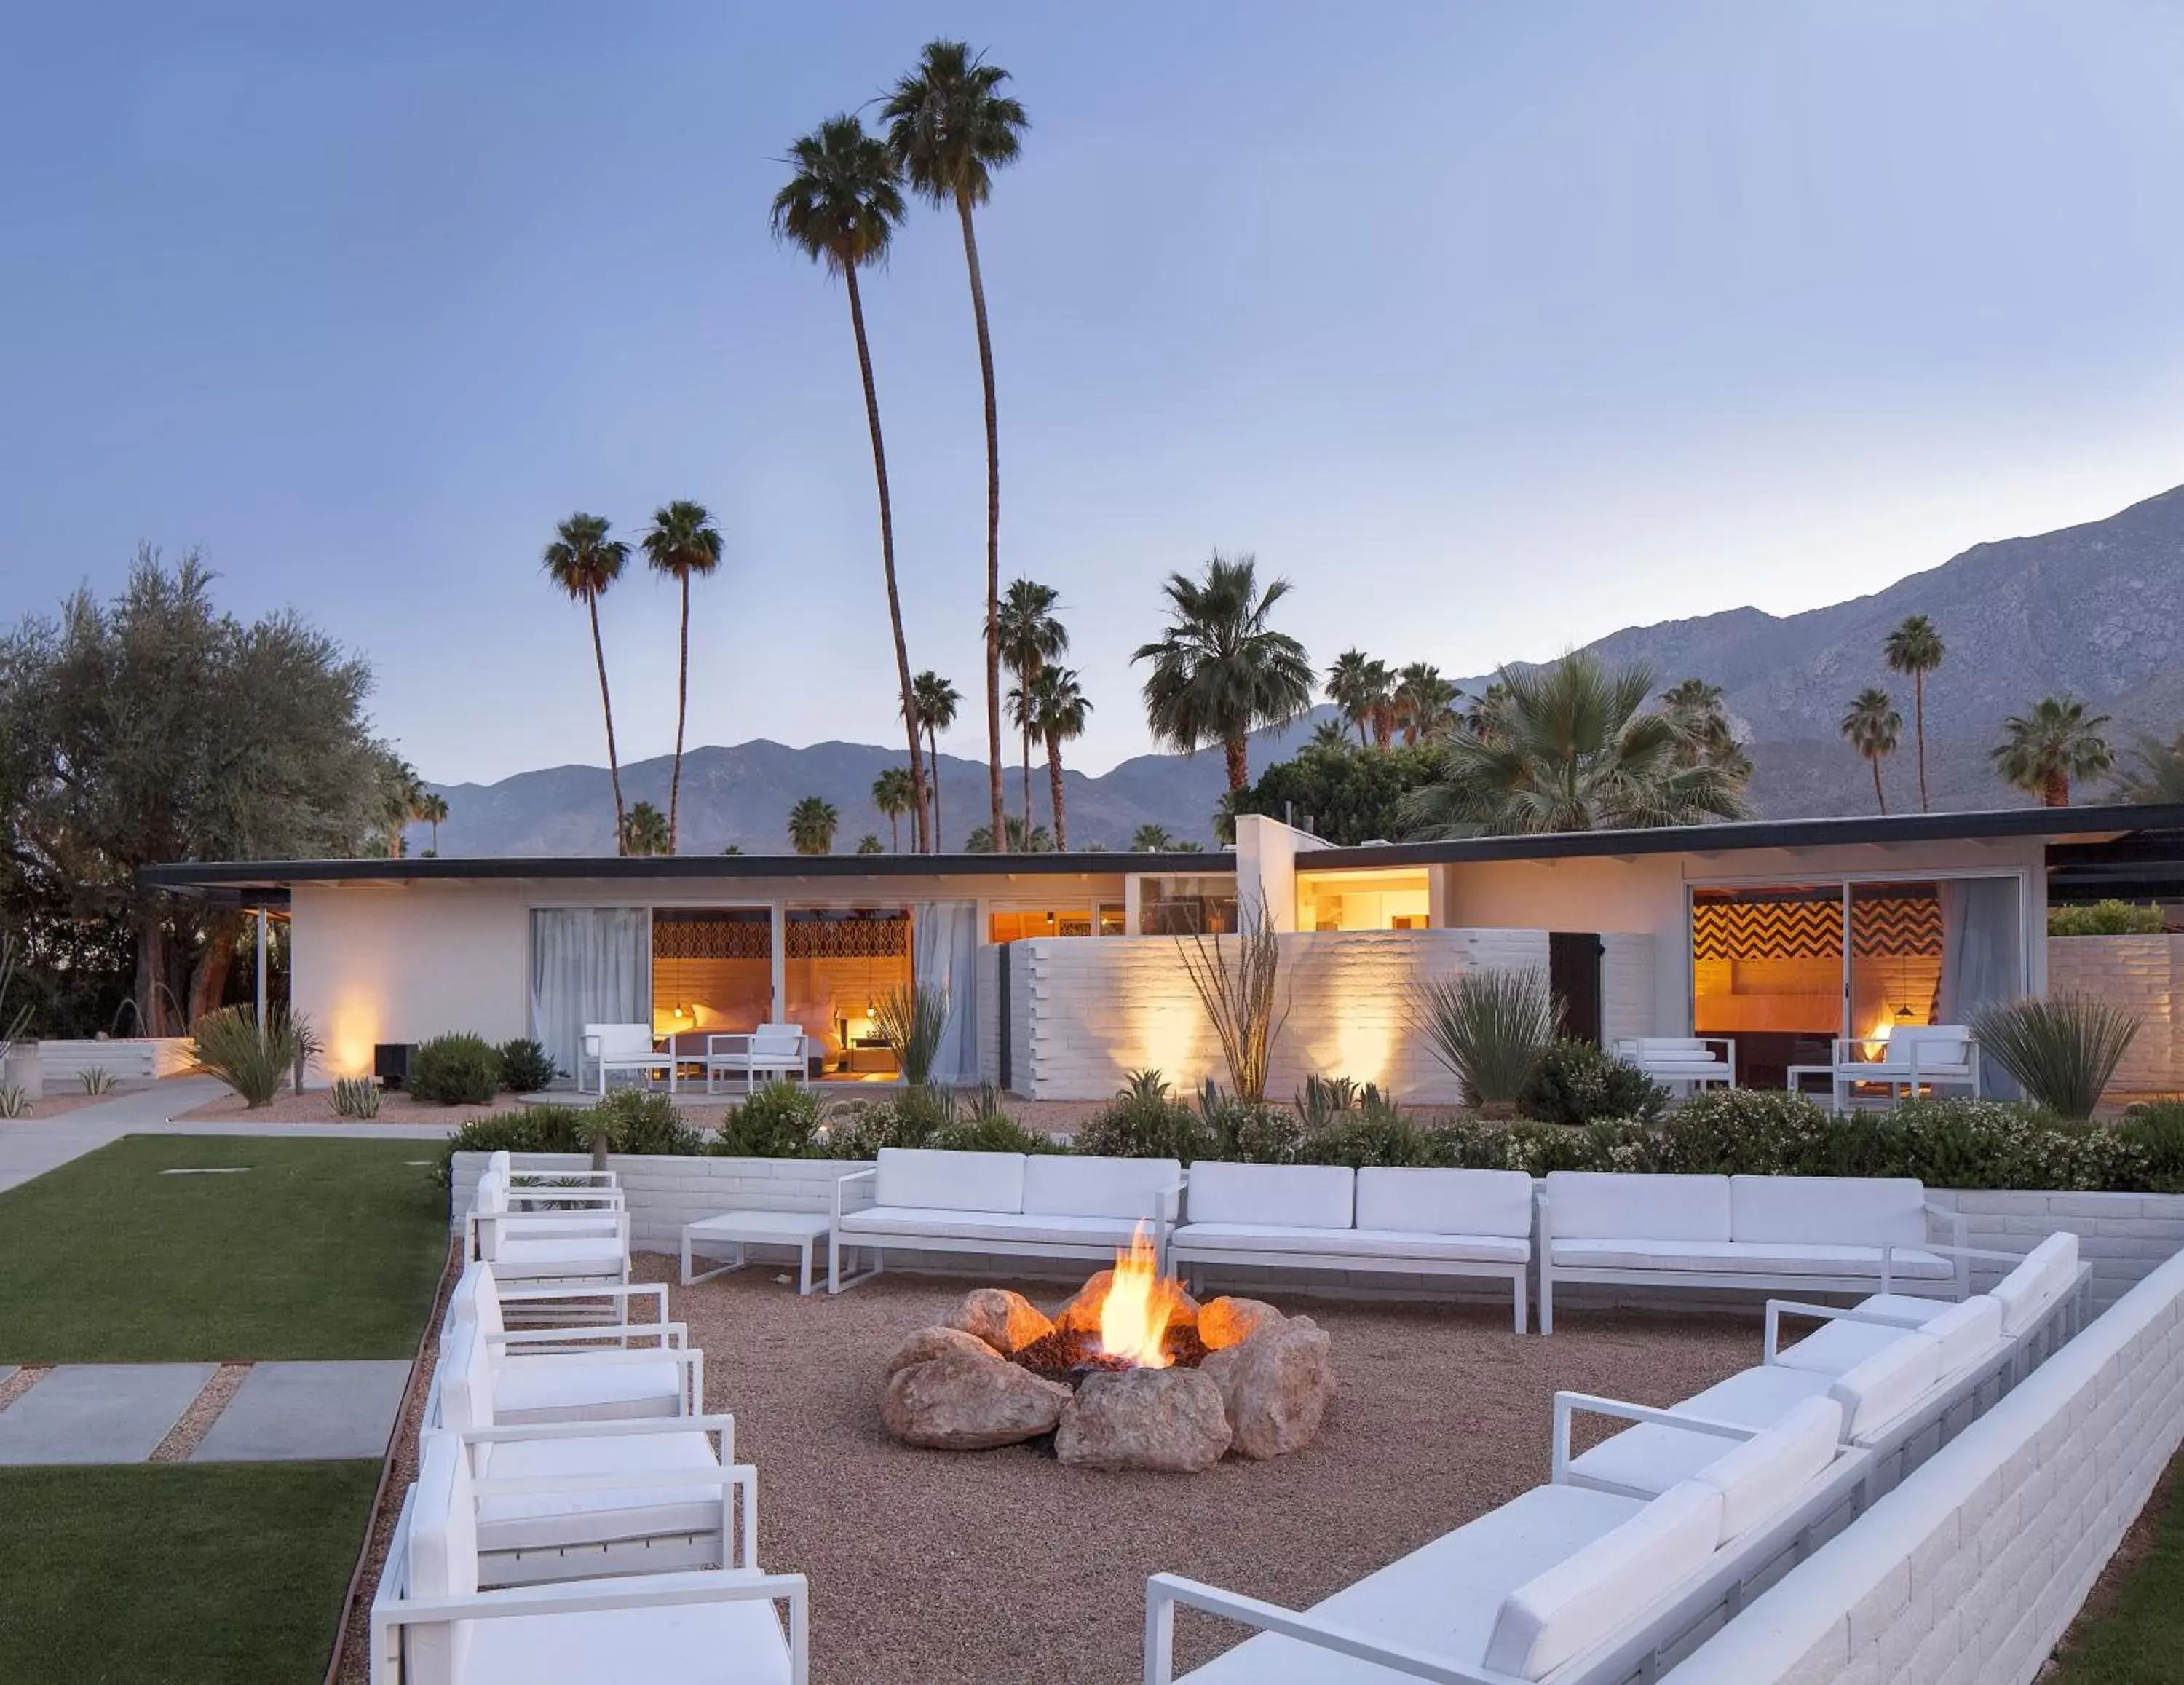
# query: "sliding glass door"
x,y
588,965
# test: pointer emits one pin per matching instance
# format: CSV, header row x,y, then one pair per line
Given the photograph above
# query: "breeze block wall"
x,y
2143,975
1971,1570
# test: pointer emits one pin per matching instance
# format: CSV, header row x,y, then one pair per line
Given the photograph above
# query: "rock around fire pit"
x,y
1134,1375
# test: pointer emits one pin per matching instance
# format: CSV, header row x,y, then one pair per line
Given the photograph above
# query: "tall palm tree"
x,y
1060,710
1220,672
840,209
1874,728
1701,715
1031,637
811,825
1151,839
683,544
869,844
2158,777
937,702
894,795
584,561
645,830
1424,702
1914,649
1574,747
432,808
2042,750
1354,683
952,127
1330,734
402,799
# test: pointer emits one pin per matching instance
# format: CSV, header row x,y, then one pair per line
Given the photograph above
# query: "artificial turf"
x,y
227,1574
2132,1630
298,1248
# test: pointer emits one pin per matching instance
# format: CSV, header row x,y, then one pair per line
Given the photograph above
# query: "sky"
x,y
1492,327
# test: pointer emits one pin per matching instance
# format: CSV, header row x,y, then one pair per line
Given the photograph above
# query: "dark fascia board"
x,y
208,877
1891,827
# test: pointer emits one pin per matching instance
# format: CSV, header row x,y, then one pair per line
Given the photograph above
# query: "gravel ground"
x,y
929,1568
317,1106
59,1103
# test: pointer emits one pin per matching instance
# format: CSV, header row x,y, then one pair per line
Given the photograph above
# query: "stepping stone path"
x,y
306,1411
99,1413
119,1413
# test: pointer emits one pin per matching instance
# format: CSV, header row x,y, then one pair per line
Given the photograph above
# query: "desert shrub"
x,y
252,1058
455,1071
2105,918
1246,1131
525,1066
913,1017
777,1121
1145,1120
986,1125
1490,1029
1577,1083
356,1096
1324,1100
1381,1135
2156,1129
636,1120
2062,1050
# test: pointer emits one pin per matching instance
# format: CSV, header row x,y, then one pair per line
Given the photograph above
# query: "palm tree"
x,y
1219,673
584,561
937,701
1330,734
1031,637
841,209
894,795
1874,728
1574,747
1018,840
812,824
950,127
1151,839
1355,684
432,808
683,543
2042,750
645,830
1424,702
402,799
2158,777
1914,649
1699,714
869,844
1059,710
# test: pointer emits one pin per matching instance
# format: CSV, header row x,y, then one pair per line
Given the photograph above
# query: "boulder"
x,y
1165,1419
1006,1321
968,1398
1227,1321
1274,1386
929,1343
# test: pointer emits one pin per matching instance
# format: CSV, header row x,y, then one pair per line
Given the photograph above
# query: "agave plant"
x,y
356,1096
1490,1029
913,1017
253,1058
96,1080
2062,1051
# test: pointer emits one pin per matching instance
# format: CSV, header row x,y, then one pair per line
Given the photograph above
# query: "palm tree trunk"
x,y
894,833
2055,790
1918,725
1240,769
606,707
1026,783
932,738
887,538
992,527
1054,795
682,710
436,838
1879,795
1363,741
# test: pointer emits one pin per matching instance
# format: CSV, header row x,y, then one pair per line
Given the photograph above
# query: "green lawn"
x,y
319,1249
2136,1634
228,1575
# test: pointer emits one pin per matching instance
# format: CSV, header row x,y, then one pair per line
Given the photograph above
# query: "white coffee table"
x,y
799,1229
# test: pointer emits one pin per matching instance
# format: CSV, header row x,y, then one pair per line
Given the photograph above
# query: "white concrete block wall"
x,y
2124,1237
989,1014
1970,1572
2141,975
136,1059
1023,1014
1626,986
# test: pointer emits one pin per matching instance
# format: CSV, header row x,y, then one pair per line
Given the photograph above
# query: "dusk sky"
x,y
1494,327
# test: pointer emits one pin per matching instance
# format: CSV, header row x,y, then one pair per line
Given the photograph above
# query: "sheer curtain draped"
x,y
1981,960
944,953
588,965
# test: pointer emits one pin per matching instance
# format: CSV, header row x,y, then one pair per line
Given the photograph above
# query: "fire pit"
x,y
1131,1373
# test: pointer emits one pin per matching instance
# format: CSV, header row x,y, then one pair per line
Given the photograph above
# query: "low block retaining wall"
x,y
1971,1570
61,1064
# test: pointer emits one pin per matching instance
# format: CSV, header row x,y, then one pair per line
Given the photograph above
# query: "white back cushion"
x,y
1876,1392
1279,1196
1966,1333
1603,1204
1758,1478
1596,1594
465,1377
1937,1045
2036,1283
951,1181
1058,1184
500,1164
1847,1211
443,1560
622,1041
777,1040
490,1203
1445,1202
476,1299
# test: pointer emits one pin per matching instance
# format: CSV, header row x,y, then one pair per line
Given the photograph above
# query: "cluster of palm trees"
x,y
1873,726
405,801
584,561
1383,702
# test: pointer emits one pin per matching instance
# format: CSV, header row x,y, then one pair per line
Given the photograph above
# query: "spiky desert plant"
x,y
356,1096
913,1017
96,1080
1490,1029
250,1058
2062,1051
1239,986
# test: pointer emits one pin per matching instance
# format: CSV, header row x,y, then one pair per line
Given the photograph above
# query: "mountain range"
x,y
2091,610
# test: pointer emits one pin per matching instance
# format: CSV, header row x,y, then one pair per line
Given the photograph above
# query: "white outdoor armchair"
x,y
1688,1062
1906,1058
614,1047
773,1052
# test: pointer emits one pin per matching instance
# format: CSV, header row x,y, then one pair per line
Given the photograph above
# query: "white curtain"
x,y
588,965
944,953
1981,963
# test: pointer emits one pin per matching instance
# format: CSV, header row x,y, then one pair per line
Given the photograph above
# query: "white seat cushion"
x,y
1063,1185
541,1520
1867,1211
711,1643
1278,1195
1586,1204
1878,1392
2035,1285
928,1223
1748,1256
1443,1597
1445,1202
1649,1457
1904,1311
1968,1334
567,1256
546,1388
1760,1478
1336,1244
1837,1348
950,1181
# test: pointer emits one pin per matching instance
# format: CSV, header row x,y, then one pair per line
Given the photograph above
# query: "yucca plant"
x,y
252,1058
913,1017
2063,1050
96,1080
356,1096
15,1100
1490,1029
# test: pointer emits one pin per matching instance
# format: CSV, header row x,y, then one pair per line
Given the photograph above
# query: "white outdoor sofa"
x,y
1413,1222
1820,1233
1012,1204
773,1053
1688,1062
432,1625
596,1373
1908,1058
612,1047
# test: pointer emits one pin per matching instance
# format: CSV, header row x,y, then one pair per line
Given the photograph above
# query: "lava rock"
x,y
968,1397
1006,1321
1227,1321
1170,1419
1274,1386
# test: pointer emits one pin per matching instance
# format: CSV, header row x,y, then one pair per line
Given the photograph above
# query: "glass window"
x,y
712,973
836,966
1184,905
1016,924
1364,901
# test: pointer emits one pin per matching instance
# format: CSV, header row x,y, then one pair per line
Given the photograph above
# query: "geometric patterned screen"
x,y
720,935
1883,926
857,936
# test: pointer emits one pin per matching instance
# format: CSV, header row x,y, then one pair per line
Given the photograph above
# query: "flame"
x,y
1133,1317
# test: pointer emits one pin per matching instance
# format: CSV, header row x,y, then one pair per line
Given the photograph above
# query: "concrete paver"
x,y
99,1413
297,1411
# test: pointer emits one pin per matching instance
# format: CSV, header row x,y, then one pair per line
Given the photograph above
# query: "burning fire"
x,y
1141,1301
